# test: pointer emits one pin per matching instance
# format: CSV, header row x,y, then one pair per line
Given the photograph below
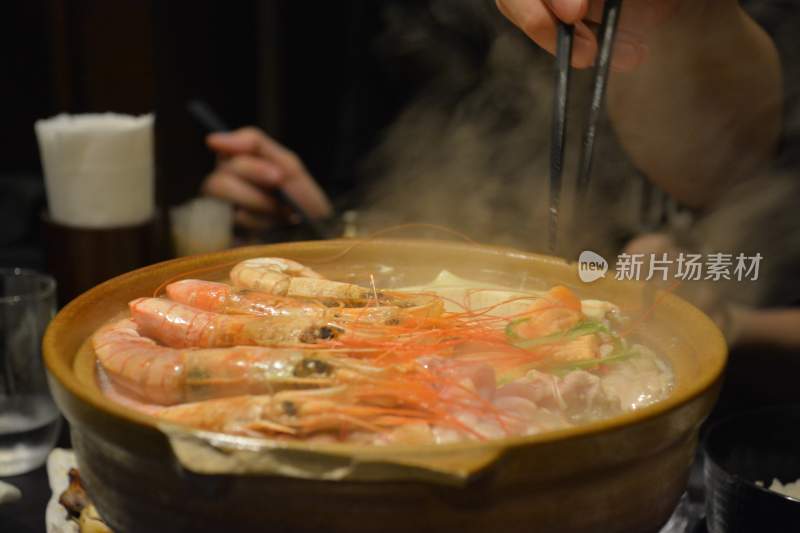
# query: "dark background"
x,y
270,63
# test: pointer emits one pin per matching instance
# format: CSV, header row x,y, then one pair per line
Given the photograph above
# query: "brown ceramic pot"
x,y
619,475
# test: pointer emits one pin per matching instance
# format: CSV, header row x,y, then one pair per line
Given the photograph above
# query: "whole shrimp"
x,y
223,298
378,403
297,415
285,277
180,326
149,372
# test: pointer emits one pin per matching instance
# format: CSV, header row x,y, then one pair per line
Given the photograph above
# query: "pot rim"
x,y
66,377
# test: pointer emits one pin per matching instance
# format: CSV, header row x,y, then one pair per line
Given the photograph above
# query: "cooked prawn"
x,y
372,405
286,353
223,298
140,367
285,277
180,326
299,415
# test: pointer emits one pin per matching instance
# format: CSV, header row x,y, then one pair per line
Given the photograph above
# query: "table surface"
x,y
27,515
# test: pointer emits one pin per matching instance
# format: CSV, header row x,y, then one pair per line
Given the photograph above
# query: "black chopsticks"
x,y
558,133
564,40
206,116
608,29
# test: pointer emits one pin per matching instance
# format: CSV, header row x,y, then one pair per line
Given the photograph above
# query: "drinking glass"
x,y
29,420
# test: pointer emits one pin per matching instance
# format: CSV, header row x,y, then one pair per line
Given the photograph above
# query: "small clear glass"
x,y
29,420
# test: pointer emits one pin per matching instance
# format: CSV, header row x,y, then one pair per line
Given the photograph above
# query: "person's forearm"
x,y
703,111
779,328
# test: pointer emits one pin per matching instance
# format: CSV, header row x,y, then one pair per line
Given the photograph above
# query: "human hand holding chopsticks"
x,y
699,108
538,18
251,165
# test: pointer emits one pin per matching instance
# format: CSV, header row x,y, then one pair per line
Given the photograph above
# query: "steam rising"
x,y
471,153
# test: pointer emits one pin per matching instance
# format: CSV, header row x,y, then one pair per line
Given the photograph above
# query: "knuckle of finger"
x,y
534,24
294,162
251,133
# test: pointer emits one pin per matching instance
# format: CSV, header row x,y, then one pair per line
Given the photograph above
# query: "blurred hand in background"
x,y
250,166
